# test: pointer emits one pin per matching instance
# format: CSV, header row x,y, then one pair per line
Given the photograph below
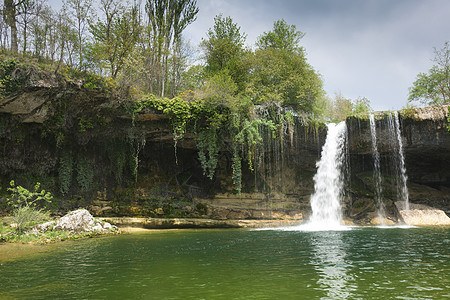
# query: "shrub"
x,y
25,205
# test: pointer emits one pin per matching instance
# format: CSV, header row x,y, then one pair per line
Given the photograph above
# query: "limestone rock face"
x,y
426,144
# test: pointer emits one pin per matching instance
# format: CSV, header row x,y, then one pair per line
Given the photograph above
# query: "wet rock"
x,y
381,221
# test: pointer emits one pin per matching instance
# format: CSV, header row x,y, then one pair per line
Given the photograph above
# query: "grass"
x,y
8,234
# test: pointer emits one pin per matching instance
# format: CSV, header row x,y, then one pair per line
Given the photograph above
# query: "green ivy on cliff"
x,y
65,171
218,124
11,76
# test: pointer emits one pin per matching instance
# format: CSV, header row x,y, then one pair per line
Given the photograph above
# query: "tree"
x,y
342,107
11,10
185,13
224,50
42,29
284,77
433,88
281,73
115,36
3,31
361,106
81,11
167,20
283,36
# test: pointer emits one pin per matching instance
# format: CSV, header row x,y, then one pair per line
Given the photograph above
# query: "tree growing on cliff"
x,y
116,35
11,10
81,11
280,72
224,50
167,19
433,88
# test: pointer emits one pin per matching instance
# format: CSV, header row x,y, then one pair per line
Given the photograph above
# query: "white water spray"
x,y
329,181
377,171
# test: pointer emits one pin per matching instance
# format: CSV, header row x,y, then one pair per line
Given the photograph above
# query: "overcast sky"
x,y
370,48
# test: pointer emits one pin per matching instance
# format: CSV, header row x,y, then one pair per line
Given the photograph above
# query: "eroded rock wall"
x,y
83,146
426,143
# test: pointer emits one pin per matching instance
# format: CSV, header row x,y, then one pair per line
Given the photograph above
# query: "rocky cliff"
x,y
81,144
426,143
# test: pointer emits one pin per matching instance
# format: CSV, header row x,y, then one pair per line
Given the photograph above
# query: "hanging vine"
x,y
216,124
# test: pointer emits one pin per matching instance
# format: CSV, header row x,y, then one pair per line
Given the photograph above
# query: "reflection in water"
x,y
329,260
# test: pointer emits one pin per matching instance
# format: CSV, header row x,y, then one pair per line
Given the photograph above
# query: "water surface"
x,y
362,263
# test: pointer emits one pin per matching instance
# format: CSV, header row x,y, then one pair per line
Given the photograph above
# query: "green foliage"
x,y
433,88
283,36
286,78
218,120
85,173
448,124
220,88
84,123
224,50
361,107
11,76
65,172
209,144
117,154
223,45
115,37
22,197
176,109
27,216
90,80
25,205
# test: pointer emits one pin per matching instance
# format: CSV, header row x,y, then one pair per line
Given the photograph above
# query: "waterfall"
x,y
329,180
400,169
377,171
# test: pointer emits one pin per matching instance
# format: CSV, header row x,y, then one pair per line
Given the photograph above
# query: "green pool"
x,y
361,263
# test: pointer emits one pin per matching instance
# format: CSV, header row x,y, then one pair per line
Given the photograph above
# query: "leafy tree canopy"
x,y
283,36
224,50
433,88
285,77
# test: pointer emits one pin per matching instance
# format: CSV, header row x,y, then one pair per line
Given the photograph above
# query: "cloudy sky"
x,y
370,48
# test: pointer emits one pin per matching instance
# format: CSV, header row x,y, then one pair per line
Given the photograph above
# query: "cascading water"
x,y
400,169
377,171
329,181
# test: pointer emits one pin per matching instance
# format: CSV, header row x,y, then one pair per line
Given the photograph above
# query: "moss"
x,y
12,76
408,113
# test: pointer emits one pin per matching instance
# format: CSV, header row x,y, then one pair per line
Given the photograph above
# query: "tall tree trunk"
x,y
14,42
10,14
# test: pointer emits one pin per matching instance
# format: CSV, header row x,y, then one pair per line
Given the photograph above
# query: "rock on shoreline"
x,y
78,221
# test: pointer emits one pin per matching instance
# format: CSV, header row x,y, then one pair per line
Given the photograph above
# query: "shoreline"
x,y
191,223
